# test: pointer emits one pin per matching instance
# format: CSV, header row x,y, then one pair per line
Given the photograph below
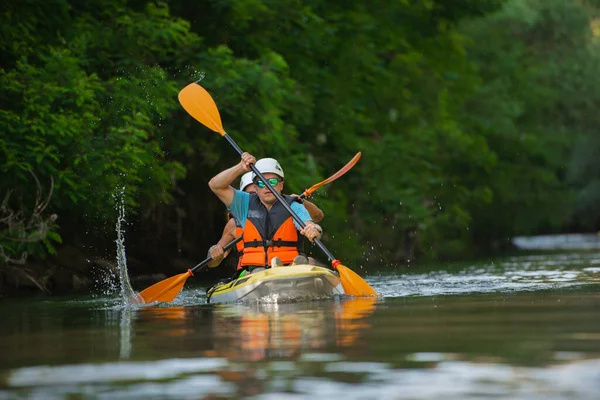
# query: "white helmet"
x,y
246,180
269,165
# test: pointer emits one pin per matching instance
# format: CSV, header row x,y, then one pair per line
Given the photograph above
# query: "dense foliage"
x,y
476,120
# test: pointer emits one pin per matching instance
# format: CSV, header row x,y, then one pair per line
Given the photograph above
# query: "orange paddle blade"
x,y
200,105
165,290
333,177
353,284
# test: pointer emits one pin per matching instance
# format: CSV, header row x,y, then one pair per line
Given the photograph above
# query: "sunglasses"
x,y
272,181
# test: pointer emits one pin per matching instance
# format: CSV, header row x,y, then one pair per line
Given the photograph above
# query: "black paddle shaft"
x,y
209,259
280,198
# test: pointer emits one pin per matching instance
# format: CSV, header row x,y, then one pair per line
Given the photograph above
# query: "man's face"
x,y
264,194
251,188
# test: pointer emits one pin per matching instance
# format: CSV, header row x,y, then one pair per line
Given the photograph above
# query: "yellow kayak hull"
x,y
279,284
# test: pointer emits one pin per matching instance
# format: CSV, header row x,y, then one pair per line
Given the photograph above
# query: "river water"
x,y
525,327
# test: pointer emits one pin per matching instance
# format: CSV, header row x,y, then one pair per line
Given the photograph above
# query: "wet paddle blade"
x,y
200,105
333,177
165,290
353,284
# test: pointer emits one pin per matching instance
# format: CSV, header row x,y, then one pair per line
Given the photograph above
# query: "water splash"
x,y
105,280
127,293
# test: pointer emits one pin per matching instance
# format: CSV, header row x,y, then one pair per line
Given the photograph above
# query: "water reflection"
x,y
529,346
166,321
125,335
242,332
254,332
234,343
519,328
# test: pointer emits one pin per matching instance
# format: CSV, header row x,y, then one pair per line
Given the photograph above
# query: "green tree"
x,y
82,109
535,100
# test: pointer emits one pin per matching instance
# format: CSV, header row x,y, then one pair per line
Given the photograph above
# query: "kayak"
x,y
280,283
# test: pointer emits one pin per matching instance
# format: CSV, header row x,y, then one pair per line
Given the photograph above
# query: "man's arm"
x,y
315,212
311,230
216,252
220,184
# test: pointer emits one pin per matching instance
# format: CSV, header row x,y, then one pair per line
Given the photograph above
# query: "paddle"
x,y
166,290
200,105
333,177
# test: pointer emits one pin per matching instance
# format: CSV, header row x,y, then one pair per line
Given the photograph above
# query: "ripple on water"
x,y
527,273
441,376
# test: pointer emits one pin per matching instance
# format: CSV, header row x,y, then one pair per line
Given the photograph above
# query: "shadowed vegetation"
x,y
476,119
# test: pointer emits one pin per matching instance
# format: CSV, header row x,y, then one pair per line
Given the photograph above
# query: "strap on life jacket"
x,y
271,243
239,246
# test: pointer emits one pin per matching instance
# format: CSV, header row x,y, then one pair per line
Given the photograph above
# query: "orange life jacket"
x,y
239,246
269,233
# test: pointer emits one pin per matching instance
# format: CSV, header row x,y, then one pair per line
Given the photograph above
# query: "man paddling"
x,y
233,228
270,233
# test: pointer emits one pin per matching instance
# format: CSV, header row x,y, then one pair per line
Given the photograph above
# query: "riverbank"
x,y
77,270
72,270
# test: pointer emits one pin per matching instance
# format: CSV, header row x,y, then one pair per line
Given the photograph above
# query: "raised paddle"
x,y
333,177
200,105
166,290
